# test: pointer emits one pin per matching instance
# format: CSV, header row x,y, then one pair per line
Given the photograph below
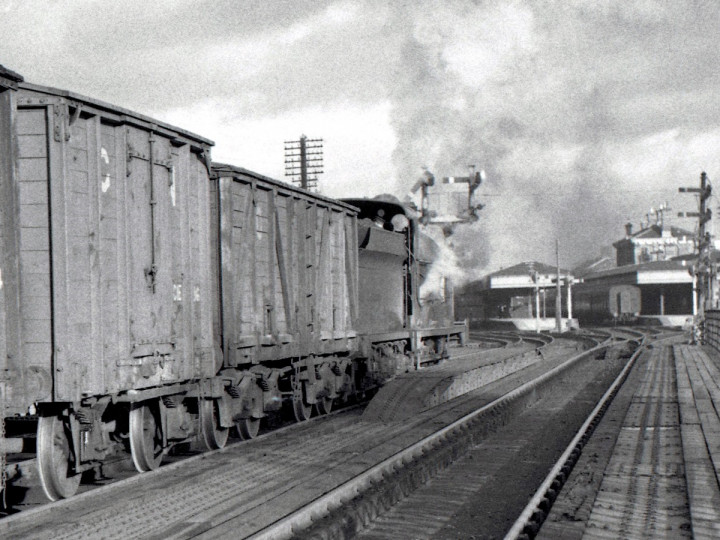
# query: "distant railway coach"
x,y
606,303
106,291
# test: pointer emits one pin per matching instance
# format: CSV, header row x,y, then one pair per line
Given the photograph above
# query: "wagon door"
x,y
155,287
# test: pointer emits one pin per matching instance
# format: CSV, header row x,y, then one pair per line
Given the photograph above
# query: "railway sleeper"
x,y
77,438
346,521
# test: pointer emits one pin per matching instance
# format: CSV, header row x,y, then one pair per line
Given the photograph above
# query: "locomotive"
x,y
150,297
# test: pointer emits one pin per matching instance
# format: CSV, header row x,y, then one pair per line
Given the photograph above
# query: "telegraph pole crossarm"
x,y
304,161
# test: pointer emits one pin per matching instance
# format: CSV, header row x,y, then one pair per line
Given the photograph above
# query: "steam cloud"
x,y
552,99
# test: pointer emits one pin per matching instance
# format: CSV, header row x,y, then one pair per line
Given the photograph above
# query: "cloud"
x,y
559,101
357,141
583,113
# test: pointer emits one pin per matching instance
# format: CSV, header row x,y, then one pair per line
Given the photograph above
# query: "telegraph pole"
x,y
304,161
558,291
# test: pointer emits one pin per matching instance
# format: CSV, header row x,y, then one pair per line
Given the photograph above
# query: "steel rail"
x,y
304,517
534,513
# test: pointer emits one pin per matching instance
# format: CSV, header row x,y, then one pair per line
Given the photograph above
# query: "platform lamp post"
x,y
558,290
570,283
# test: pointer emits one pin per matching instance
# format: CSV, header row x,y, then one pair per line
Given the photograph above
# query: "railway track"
x,y
372,464
533,515
364,506
635,485
431,513
25,492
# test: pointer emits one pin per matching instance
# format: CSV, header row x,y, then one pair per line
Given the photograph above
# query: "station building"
x,y
657,260
521,296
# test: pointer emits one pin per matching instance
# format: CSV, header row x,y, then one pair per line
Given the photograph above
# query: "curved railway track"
x,y
635,479
530,520
368,483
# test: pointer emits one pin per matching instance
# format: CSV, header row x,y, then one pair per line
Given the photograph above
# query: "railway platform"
x,y
420,390
657,476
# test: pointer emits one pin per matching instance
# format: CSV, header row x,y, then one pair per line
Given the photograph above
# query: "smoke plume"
x,y
547,97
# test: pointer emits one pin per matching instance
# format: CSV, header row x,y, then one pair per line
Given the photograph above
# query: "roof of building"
x,y
662,271
9,74
598,264
527,268
656,231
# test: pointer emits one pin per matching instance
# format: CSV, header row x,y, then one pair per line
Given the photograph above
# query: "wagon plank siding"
x,y
12,390
110,222
290,292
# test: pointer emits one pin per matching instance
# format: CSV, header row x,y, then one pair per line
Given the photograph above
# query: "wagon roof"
x,y
9,78
114,109
223,169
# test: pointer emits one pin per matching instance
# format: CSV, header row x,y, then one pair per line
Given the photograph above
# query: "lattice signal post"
x,y
703,269
304,161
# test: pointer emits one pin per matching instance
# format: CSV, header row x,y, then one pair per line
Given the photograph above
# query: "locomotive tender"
x,y
149,297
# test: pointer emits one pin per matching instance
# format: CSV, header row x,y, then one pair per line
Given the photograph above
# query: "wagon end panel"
x,y
286,287
22,379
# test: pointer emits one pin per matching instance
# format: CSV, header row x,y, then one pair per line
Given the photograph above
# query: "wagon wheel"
x,y
247,428
213,435
54,459
324,405
301,410
145,436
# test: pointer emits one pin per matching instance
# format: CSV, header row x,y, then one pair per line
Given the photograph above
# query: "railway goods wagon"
x,y
603,303
288,308
106,306
398,326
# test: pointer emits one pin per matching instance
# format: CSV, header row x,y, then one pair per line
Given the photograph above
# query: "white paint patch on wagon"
x,y
172,185
105,185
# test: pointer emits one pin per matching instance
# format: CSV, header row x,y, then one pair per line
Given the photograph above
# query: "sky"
x,y
584,114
